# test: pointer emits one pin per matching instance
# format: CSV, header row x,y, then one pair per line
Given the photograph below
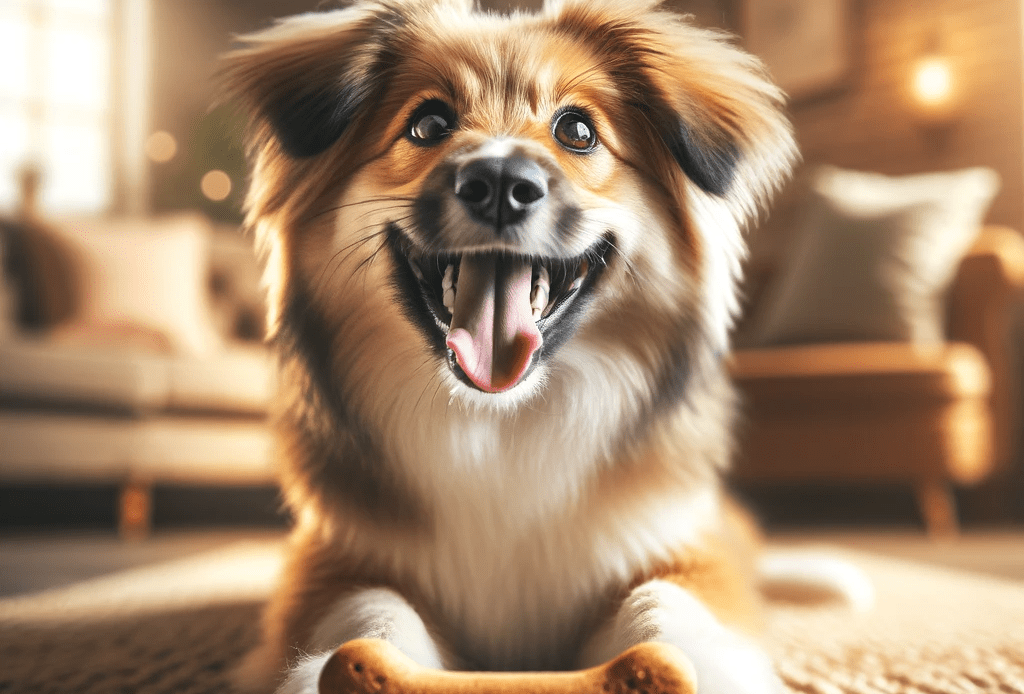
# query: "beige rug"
x,y
179,627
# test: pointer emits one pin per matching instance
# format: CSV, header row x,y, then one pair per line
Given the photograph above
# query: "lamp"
x,y
933,85
933,81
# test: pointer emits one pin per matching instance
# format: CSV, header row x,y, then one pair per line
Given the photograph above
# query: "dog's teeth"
x,y
576,284
541,284
540,292
539,297
448,285
416,270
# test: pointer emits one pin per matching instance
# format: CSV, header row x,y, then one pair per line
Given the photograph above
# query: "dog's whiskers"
x,y
423,364
368,260
367,201
389,208
631,270
337,260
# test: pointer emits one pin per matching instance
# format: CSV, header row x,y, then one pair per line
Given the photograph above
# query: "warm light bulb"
x,y
933,82
161,146
216,185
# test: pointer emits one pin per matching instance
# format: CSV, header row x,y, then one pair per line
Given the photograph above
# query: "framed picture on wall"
x,y
805,43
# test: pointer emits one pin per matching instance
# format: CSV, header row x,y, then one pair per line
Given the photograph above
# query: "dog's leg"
x,y
726,661
320,603
365,613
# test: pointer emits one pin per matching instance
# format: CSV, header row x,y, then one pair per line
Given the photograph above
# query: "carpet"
x,y
179,627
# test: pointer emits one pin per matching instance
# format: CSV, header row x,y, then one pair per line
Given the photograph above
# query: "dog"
x,y
501,257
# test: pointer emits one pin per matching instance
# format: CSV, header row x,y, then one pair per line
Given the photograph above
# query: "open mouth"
x,y
495,314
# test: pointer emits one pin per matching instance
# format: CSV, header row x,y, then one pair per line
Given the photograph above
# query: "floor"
x,y
31,563
34,562
994,553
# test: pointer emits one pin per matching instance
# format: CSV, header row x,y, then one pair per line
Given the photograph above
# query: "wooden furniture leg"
x,y
938,508
135,510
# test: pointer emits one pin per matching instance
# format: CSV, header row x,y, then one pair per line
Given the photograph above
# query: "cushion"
x,y
151,274
875,257
238,380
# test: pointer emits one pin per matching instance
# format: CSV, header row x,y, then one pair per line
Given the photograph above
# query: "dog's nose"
x,y
501,190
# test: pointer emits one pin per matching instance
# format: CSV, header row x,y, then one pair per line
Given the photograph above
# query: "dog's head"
x,y
516,185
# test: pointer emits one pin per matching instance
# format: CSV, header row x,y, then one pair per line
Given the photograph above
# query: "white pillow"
x,y
151,274
876,256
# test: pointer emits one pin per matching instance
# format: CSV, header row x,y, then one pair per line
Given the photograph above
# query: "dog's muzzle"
x,y
493,332
490,268
501,191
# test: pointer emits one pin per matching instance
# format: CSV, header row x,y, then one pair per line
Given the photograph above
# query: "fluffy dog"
x,y
501,256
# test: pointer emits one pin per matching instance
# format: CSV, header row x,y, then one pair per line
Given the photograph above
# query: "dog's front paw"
x,y
725,661
379,613
304,677
360,665
731,664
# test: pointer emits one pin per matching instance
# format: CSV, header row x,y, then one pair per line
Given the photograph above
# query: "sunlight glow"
x,y
55,101
14,50
76,166
77,68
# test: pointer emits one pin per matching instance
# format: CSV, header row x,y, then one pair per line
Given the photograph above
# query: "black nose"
x,y
501,190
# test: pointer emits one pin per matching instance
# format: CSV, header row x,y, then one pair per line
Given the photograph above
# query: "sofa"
x,y
830,402
130,354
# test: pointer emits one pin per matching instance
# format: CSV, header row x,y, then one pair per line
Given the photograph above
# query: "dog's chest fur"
x,y
511,597
528,543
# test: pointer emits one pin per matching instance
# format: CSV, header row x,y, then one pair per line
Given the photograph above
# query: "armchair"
x,y
930,416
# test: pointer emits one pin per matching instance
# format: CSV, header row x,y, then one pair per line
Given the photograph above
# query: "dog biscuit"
x,y
371,666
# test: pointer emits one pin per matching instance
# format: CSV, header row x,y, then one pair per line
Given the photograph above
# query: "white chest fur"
x,y
517,598
525,549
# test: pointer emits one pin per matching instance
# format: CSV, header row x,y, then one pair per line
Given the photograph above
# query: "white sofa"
x,y
87,405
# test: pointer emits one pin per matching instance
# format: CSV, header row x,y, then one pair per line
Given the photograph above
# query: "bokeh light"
x,y
161,146
216,185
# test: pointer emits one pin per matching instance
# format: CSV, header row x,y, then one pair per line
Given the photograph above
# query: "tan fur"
x,y
720,570
601,468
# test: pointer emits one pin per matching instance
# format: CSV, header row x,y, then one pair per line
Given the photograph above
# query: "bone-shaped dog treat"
x,y
371,666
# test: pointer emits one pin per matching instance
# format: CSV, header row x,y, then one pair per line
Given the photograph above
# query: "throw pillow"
x,y
144,275
876,256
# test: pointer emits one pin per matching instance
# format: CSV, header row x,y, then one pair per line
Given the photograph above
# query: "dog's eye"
x,y
574,131
431,122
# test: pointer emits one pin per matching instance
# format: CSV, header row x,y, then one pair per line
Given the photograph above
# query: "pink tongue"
x,y
493,333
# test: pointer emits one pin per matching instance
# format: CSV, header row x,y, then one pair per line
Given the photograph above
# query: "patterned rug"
x,y
179,627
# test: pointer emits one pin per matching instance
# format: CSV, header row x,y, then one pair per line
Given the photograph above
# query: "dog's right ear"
x,y
305,79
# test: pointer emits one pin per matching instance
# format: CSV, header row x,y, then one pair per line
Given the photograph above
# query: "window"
x,y
55,100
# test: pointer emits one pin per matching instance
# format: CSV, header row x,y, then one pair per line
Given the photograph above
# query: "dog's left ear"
x,y
716,110
709,103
